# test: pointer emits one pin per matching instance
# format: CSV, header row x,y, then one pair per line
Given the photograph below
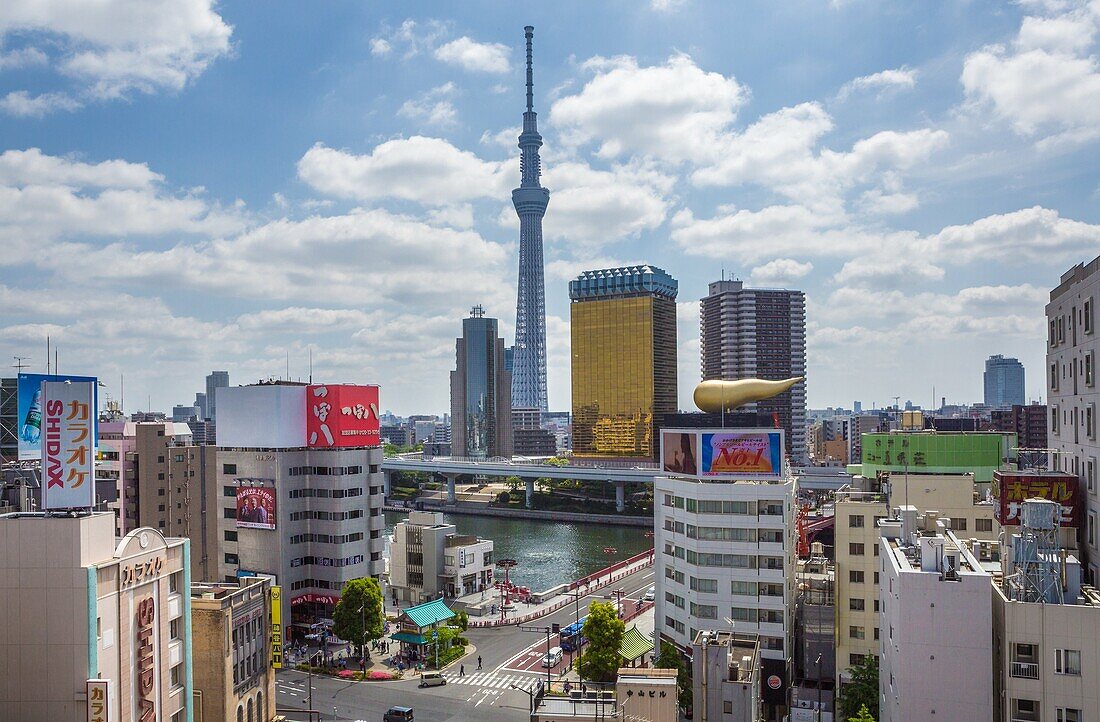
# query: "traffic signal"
x,y
555,628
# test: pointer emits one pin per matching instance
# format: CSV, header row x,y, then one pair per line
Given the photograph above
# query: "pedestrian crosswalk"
x,y
493,680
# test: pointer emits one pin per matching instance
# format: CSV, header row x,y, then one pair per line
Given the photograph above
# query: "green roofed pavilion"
x,y
635,645
428,614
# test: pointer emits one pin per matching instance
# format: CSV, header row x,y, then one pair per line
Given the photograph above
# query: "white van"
x,y
552,658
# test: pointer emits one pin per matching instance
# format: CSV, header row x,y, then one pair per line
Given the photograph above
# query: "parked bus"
x,y
571,639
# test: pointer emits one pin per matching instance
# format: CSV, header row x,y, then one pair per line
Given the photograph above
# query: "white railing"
x,y
1025,670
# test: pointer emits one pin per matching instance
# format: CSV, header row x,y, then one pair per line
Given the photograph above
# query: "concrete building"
x,y
1004,382
623,331
184,414
118,460
481,391
725,676
858,511
322,523
82,605
232,651
216,380
640,693
936,643
528,436
1029,423
1073,348
200,404
429,558
759,333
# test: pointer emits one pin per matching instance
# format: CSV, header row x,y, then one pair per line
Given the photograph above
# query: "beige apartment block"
x,y
231,628
82,605
951,496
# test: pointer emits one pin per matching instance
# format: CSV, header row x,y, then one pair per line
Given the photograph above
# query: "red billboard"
x,y
315,598
255,507
1016,486
341,415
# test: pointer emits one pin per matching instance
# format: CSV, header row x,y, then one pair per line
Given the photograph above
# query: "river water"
x,y
548,553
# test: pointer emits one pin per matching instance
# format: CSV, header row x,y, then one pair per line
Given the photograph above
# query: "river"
x,y
548,553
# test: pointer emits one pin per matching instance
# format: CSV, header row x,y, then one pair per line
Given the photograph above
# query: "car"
x,y
650,594
398,714
432,679
552,658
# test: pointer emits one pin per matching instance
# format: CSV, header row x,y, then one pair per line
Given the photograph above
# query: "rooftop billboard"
x,y
723,454
980,453
1013,487
68,417
29,409
341,415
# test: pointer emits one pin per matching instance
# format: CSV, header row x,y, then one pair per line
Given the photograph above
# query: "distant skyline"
x,y
202,187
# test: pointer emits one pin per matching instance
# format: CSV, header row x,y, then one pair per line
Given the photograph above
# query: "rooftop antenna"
x,y
529,33
19,365
47,354
288,365
311,365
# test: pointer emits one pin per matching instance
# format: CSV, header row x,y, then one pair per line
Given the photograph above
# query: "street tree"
x,y
862,691
670,658
863,716
358,616
604,631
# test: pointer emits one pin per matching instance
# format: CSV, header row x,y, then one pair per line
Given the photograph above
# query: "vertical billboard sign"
x,y
68,448
341,415
255,507
99,709
277,627
29,412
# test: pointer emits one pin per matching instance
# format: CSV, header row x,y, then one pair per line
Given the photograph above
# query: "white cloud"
x,y
380,47
410,38
113,47
432,108
505,138
474,56
780,271
674,112
894,79
21,104
881,202
889,267
22,58
1029,235
667,5
1048,81
32,167
427,170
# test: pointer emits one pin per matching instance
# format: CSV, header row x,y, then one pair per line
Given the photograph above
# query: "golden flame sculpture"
x,y
714,396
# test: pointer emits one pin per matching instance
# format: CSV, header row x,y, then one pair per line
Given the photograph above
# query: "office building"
x,y
82,605
1004,382
1073,348
298,490
398,435
725,676
623,331
759,333
117,460
232,650
1046,627
481,391
216,380
183,414
203,432
429,559
935,643
528,436
528,363
200,404
1029,423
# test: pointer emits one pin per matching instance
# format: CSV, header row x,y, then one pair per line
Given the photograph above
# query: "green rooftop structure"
x,y
931,452
635,646
415,624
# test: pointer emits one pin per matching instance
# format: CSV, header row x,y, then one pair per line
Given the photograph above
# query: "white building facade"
x,y
428,558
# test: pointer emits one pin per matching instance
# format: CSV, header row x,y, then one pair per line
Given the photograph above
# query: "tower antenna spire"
x,y
529,33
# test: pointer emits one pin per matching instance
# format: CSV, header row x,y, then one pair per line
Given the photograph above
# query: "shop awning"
x,y
635,644
411,638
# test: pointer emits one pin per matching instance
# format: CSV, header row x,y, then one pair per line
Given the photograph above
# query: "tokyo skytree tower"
x,y
530,200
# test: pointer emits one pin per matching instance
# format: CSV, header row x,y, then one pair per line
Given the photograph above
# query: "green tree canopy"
x,y
863,716
604,631
670,658
861,692
352,621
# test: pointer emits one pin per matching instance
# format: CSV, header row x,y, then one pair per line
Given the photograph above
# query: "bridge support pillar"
x,y
620,496
386,483
451,487
530,500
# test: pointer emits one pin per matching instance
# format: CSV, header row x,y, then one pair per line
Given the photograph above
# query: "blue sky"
x,y
187,186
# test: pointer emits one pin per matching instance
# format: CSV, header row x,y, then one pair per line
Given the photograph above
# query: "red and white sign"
x,y
146,669
774,682
318,598
341,415
68,441
99,708
1014,487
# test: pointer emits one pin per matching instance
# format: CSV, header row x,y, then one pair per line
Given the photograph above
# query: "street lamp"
x,y
530,697
818,663
363,640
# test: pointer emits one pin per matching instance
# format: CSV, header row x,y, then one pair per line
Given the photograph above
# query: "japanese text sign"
x,y
68,444
1015,487
99,709
342,415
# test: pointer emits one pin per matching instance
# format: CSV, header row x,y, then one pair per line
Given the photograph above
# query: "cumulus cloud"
x,y
902,78
474,56
114,47
432,108
21,104
780,271
410,38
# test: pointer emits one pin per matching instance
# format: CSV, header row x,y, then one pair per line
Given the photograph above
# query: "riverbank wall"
x,y
474,509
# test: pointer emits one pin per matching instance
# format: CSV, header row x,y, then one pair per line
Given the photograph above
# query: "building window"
x,y
1090,474
1067,661
1054,416
854,660
1090,368
704,611
1088,322
160,476
229,513
174,629
855,521
230,491
856,632
1066,714
855,549
743,614
1090,421
1054,376
229,468
231,536
857,604
958,524
176,677
231,559
1025,709
743,588
708,586
855,577
1092,529
983,525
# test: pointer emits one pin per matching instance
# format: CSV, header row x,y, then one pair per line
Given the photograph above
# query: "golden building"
x,y
623,328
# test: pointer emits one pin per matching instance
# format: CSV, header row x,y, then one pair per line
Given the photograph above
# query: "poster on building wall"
x,y
1014,487
742,454
255,507
99,707
680,452
342,415
29,405
68,444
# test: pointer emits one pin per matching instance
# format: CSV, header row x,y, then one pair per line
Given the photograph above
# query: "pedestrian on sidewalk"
x,y
479,661
461,670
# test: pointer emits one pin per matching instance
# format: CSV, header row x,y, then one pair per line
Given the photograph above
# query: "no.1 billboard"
x,y
717,454
255,507
68,418
341,415
29,411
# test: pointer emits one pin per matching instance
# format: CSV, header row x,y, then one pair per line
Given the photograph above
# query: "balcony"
x,y
1025,670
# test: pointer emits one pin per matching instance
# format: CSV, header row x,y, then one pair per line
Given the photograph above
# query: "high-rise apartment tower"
x,y
759,333
481,408
1004,382
530,200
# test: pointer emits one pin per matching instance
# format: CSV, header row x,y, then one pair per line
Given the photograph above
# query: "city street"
x,y
510,656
